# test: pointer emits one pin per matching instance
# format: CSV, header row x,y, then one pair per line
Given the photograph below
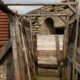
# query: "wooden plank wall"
x,y
4,28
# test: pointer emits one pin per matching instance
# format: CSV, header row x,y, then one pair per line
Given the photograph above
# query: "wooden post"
x,y
65,47
25,52
58,52
15,54
20,54
75,44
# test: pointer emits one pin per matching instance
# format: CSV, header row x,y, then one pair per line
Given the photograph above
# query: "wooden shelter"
x,y
19,45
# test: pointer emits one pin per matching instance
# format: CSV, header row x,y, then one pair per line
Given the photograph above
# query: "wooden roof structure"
x,y
59,21
20,42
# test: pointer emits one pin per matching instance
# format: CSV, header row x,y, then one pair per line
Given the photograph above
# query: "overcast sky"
x,y
25,9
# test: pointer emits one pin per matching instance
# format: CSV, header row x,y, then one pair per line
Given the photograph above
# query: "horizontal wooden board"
x,y
50,60
48,71
48,42
48,53
48,78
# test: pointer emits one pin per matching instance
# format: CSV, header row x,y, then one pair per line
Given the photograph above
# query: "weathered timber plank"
x,y
39,3
4,49
45,15
15,54
77,66
72,9
75,44
25,53
22,69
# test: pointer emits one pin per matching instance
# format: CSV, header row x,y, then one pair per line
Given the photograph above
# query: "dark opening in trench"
x,y
50,25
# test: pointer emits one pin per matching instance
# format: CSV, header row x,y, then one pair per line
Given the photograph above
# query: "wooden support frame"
x,y
15,53
33,15
58,52
75,44
72,9
4,49
65,46
39,3
20,54
77,67
62,18
25,51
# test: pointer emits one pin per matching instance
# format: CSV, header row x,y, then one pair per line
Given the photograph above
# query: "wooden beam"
x,y
39,3
20,53
63,19
5,49
25,51
17,72
65,46
58,52
33,15
75,43
72,9
77,67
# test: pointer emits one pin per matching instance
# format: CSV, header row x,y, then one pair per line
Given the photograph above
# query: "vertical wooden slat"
x,y
75,44
65,47
15,54
58,52
25,53
19,52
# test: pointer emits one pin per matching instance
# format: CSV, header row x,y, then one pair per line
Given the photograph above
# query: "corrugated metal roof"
x,y
4,29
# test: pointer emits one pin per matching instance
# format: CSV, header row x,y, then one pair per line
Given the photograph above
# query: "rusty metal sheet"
x,y
4,26
4,39
26,23
4,29
5,35
4,32
2,20
3,17
2,23
3,14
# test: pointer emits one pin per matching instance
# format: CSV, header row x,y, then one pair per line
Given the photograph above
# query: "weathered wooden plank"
x,y
58,52
75,45
33,15
20,54
66,34
25,52
4,49
77,67
40,3
72,9
15,54
48,78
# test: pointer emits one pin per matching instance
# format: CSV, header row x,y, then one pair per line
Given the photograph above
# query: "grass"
x,y
41,75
